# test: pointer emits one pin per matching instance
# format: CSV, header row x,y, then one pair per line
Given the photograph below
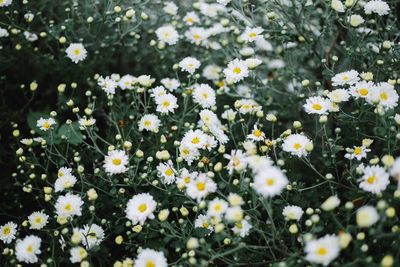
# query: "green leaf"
x,y
71,132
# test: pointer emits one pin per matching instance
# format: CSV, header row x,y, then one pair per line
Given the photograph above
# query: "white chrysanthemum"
x,y
167,34
45,124
385,95
4,3
38,220
185,177
217,207
209,118
188,153
64,182
242,228
252,34
246,106
145,80
317,105
91,235
366,216
149,122
252,63
212,72
77,254
196,35
270,181
166,103
378,7
64,171
170,84
337,5
150,258
358,152
323,250
257,163
356,20
229,115
27,249
296,144
116,162
234,214
203,221
31,37
170,8
195,139
292,212
201,187
76,52
375,179
330,203
191,18
236,71
158,91
345,78
167,172
69,205
85,122
107,84
237,161
8,232
256,134
361,89
26,141
140,207
3,32
126,82
204,95
339,95
189,64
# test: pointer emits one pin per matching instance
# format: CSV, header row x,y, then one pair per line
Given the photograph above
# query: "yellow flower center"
x,y
60,174
322,251
190,20
317,106
196,36
77,52
7,230
237,70
150,263
68,207
201,186
257,133
205,95
345,78
46,125
169,172
239,225
185,152
187,179
116,162
363,91
217,207
252,35
297,146
195,140
38,220
147,123
270,181
142,207
205,224
371,179
357,150
29,249
383,96
166,104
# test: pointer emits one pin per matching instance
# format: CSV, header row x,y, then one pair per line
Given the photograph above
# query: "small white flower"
x,y
77,254
107,84
64,182
189,64
217,207
237,161
5,3
256,134
345,78
170,84
296,144
293,212
252,34
91,235
149,257
317,105
167,34
242,228
76,52
45,124
323,250
167,172
191,18
127,82
166,103
366,216
201,187
269,181
378,7
339,95
27,249
38,220
140,207
69,205
8,232
204,95
116,162
170,8
236,71
375,179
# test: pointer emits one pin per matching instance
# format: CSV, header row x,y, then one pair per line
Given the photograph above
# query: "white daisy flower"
x,y
203,221
188,153
191,18
4,3
339,95
257,163
195,139
196,35
358,152
385,95
27,249
375,179
256,134
69,205
64,171
64,182
86,123
140,207
217,207
76,52
149,122
166,103
317,105
77,254
185,177
292,212
158,91
345,78
170,8
252,34
145,80
38,220
167,172
212,72
246,106
204,95
116,162
237,161
27,141
107,84
201,187
170,84
366,216
296,144
91,235
167,34
376,6
150,258
127,82
189,64
45,124
236,71
362,89
270,181
8,232
323,250
242,228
